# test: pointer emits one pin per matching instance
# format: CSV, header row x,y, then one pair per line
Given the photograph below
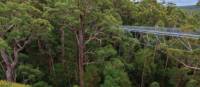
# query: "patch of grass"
x,y
10,84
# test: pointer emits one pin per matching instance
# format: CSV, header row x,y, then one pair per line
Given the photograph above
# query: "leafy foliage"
x,y
48,31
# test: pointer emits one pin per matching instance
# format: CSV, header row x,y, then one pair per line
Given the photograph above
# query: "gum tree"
x,y
20,25
86,19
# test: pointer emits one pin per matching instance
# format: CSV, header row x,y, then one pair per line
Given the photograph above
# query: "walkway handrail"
x,y
174,32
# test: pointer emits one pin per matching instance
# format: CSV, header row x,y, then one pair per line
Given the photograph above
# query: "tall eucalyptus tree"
x,y
20,24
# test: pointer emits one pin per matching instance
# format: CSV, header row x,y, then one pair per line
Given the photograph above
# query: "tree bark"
x,y
81,44
11,63
62,40
9,67
10,74
81,47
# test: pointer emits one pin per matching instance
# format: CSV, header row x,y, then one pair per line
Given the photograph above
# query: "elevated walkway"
x,y
172,32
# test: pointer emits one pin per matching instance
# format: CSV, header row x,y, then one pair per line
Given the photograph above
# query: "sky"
x,y
182,2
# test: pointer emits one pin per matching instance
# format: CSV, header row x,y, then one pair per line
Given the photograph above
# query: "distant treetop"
x,y
198,3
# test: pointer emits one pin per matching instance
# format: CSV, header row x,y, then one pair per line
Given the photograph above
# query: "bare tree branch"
x,y
7,30
10,27
187,66
24,44
93,37
18,47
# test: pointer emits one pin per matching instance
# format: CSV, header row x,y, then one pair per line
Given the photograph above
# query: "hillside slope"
x,y
191,7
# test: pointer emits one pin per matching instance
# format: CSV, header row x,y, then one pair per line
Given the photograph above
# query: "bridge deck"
x,y
173,32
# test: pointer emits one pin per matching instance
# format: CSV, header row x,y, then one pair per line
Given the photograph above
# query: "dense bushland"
x,y
71,43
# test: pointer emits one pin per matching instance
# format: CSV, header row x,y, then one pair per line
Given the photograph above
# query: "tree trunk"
x,y
10,74
62,40
81,44
9,67
81,47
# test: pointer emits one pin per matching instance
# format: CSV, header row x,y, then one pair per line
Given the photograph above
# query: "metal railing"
x,y
173,32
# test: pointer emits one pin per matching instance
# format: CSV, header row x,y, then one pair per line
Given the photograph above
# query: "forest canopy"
x,y
80,43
